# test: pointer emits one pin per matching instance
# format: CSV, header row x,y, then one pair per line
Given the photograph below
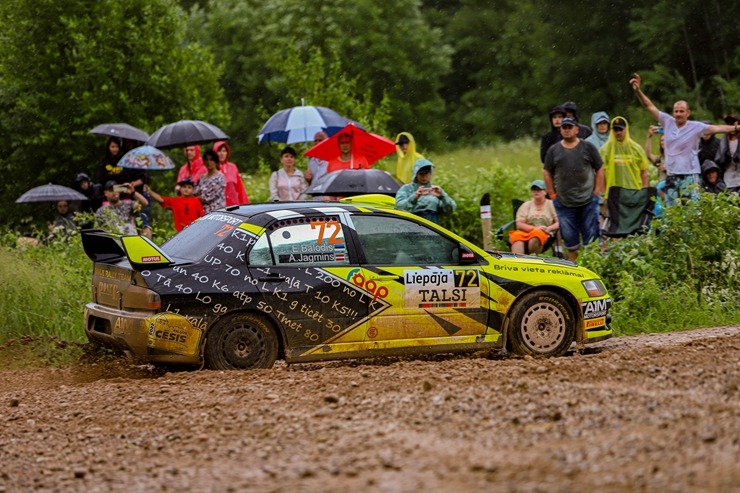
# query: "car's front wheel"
x,y
542,324
241,341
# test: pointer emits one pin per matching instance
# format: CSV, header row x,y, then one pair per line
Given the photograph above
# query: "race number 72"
x,y
323,225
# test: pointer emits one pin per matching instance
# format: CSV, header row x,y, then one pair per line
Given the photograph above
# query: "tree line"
x,y
465,72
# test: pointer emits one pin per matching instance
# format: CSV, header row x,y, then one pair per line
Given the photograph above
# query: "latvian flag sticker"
x,y
340,253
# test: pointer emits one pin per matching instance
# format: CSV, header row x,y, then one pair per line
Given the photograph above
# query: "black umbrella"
x,y
50,193
185,133
120,130
348,182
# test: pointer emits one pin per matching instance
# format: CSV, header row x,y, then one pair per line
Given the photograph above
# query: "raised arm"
x,y
723,129
636,82
653,158
153,194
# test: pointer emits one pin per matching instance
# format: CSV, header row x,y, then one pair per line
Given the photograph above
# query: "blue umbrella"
x,y
300,124
146,157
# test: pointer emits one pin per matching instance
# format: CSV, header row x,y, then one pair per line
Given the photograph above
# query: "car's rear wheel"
x,y
542,324
241,341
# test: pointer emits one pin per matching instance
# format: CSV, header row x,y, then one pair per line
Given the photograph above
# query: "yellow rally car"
x,y
310,281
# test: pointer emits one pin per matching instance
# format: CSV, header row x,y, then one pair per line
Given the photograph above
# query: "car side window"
x,y
397,241
301,241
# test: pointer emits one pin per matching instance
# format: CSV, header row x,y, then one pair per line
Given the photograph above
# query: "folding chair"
x,y
628,212
502,232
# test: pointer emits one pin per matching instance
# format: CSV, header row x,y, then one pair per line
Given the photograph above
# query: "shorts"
x,y
679,186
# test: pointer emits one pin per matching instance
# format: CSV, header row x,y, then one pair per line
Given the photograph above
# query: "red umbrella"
x,y
372,146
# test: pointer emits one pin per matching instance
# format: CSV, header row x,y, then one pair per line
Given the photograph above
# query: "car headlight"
x,y
594,287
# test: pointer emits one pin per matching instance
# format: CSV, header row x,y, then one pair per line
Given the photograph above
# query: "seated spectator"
x,y
64,224
711,182
421,197
185,208
536,221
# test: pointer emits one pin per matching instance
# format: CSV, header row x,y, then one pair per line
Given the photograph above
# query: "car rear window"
x,y
195,241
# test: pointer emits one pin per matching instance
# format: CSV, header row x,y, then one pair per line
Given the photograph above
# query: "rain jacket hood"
x,y
422,163
235,191
627,147
716,187
193,170
406,161
596,138
572,107
554,111
708,166
218,145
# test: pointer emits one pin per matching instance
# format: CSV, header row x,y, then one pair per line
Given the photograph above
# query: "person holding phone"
x,y
421,197
116,215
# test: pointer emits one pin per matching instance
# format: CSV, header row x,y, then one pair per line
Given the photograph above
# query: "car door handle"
x,y
272,278
390,277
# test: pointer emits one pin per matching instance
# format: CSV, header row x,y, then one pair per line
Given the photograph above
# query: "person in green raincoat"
x,y
407,156
422,198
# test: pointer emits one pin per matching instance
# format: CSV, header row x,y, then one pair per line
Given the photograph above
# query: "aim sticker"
x,y
441,288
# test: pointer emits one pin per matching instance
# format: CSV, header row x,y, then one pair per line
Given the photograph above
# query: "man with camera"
x,y
117,215
681,144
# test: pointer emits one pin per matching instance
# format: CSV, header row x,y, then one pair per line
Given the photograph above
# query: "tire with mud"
x,y
542,324
242,341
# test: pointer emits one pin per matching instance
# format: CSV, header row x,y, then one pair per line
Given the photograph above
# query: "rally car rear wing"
x,y
110,248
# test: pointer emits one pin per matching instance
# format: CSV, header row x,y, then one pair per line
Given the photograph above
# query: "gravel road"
x,y
648,413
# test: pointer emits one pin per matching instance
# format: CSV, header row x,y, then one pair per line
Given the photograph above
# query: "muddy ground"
x,y
649,413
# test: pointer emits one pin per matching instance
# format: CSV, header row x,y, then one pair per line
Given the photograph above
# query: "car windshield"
x,y
195,241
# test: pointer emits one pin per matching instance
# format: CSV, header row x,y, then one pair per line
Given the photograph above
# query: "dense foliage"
x,y
68,66
456,72
684,272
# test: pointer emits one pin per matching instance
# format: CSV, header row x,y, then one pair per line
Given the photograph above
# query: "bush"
x,y
45,288
682,274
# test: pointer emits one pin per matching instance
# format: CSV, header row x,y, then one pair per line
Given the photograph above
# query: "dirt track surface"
x,y
651,413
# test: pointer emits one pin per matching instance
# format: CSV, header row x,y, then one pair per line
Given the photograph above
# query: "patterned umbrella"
x,y
300,124
186,133
50,193
146,157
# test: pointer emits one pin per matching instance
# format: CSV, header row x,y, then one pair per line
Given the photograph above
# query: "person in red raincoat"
x,y
193,168
235,192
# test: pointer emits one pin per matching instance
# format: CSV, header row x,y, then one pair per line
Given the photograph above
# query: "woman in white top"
x,y
287,183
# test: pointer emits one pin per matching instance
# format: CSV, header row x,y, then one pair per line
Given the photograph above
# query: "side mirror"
x,y
465,256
